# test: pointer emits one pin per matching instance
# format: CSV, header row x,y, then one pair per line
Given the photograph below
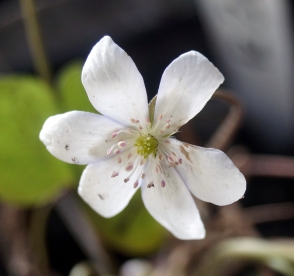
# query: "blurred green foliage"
x,y
29,175
71,90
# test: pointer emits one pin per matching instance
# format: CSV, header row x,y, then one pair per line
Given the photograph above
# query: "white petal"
x,y
209,174
105,194
172,205
113,83
186,86
78,137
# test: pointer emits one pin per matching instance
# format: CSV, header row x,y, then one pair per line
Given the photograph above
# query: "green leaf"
x,y
29,174
71,90
133,231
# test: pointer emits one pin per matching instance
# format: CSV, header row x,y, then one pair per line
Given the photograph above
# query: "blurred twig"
x,y
15,244
82,230
250,249
34,38
37,234
223,136
270,212
263,165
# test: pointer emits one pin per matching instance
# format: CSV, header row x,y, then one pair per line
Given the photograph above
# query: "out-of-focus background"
x,y
44,225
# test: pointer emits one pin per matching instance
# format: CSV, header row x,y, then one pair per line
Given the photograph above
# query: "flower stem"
x,y
37,231
34,38
277,255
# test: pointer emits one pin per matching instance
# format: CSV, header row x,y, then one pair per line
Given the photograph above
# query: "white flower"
x,y
126,151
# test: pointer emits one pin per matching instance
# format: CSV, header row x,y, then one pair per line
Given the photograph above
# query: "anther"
x,y
113,134
116,151
126,180
129,167
142,161
129,155
143,175
171,158
114,174
162,183
160,117
122,144
150,185
166,141
158,169
119,159
136,184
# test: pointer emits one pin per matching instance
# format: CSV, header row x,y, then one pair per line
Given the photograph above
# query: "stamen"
x,y
143,175
113,134
122,144
160,117
109,151
133,120
150,185
119,159
126,180
162,183
114,174
171,158
129,167
166,141
116,151
167,121
158,169
136,184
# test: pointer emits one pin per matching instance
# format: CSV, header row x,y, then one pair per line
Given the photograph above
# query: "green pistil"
x,y
146,145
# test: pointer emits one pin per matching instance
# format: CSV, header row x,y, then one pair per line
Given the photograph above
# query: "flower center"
x,y
146,145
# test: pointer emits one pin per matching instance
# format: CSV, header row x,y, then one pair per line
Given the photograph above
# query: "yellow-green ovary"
x,y
146,145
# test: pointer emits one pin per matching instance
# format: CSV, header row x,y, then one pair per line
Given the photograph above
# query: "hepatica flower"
x,y
127,147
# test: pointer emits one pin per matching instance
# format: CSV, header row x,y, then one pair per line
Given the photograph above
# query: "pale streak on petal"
x,y
209,174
